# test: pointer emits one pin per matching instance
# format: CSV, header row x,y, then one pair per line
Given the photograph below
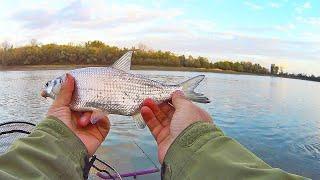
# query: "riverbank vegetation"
x,y
98,53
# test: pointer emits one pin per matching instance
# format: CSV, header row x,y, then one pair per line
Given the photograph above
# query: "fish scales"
x,y
115,91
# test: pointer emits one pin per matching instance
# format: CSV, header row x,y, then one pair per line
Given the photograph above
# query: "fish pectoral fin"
x,y
124,63
138,119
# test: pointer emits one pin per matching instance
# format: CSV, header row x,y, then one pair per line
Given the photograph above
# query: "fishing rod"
x,y
135,173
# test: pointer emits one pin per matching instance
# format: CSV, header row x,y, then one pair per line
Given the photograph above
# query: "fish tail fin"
x,y
188,87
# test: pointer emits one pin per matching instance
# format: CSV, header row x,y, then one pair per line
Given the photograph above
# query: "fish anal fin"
x,y
124,63
97,115
138,119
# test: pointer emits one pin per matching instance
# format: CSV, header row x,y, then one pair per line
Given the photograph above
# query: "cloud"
x,y
169,29
94,15
285,27
134,17
75,11
275,5
253,6
234,44
303,7
268,29
35,18
42,18
306,5
314,21
309,36
239,46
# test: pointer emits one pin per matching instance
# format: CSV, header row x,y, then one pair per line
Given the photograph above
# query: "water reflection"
x,y
278,119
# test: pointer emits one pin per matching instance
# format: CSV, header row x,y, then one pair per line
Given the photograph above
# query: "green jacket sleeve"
x,y
51,151
202,151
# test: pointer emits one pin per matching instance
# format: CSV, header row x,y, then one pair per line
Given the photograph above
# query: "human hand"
x,y
92,135
166,122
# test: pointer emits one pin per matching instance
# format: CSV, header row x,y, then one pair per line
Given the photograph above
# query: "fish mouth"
x,y
44,94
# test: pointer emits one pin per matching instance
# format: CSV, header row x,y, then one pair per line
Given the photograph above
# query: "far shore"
x,y
134,67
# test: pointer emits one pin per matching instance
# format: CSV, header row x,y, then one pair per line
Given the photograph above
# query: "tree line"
x,y
99,53
277,71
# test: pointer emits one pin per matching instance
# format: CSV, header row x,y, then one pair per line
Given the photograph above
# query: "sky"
x,y
284,32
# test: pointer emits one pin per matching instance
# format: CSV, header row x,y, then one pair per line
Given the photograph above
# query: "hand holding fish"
x,y
116,90
166,122
92,135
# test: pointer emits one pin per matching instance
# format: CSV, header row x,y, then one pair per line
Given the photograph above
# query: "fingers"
x,y
65,93
167,109
160,115
152,122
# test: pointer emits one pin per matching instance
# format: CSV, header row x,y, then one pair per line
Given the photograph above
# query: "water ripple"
x,y
278,119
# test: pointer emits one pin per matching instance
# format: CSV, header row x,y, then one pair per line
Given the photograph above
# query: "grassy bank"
x,y
135,67
30,57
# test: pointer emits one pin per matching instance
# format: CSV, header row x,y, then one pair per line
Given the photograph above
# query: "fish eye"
x,y
47,84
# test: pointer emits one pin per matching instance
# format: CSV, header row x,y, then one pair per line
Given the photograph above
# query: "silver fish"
x,y
114,90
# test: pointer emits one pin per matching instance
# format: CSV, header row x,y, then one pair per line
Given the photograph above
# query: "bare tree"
x,y
142,47
34,42
281,69
5,46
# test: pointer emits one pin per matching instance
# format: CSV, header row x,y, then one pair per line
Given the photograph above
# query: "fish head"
x,y
52,88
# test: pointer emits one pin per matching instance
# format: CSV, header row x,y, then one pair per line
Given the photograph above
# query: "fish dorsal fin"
x,y
138,119
124,63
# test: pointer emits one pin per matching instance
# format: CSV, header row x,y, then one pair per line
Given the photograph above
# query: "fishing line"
x,y
105,171
145,154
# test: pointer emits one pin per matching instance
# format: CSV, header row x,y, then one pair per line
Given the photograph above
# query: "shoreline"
x,y
134,67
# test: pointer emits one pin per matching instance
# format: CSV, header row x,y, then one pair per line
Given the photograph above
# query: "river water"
x,y
276,118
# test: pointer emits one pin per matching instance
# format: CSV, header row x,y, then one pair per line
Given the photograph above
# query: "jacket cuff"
x,y
185,146
66,139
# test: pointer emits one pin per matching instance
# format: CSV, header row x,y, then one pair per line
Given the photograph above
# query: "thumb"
x,y
65,93
178,100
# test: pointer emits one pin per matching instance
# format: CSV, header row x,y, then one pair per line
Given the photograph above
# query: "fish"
x,y
115,90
